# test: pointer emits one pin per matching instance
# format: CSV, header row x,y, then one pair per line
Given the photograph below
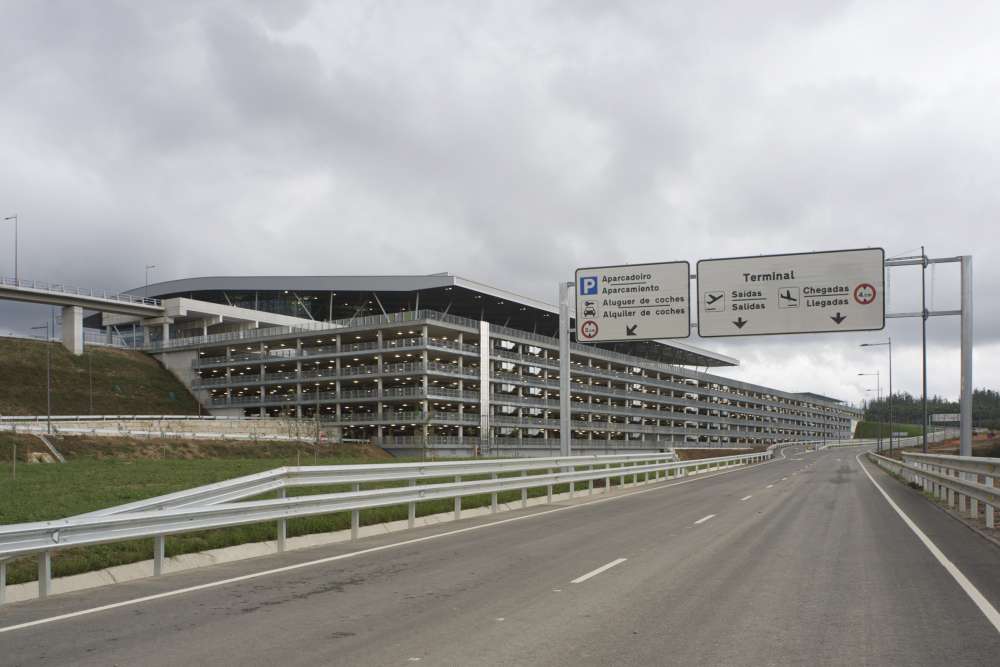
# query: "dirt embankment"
x,y
982,445
132,449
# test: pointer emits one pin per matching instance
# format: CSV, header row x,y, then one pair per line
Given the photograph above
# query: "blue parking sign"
x,y
588,285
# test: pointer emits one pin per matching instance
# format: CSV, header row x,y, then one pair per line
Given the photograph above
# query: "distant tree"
x,y
907,409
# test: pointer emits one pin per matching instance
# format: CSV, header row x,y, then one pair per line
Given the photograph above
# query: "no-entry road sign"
x,y
840,290
633,302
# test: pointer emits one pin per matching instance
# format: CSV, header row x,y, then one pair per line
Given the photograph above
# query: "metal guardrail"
x,y
215,506
59,288
953,479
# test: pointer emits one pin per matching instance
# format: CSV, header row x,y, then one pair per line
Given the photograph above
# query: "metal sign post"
x,y
966,342
565,442
965,399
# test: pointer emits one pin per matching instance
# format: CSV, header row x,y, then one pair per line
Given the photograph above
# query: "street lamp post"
x,y
145,290
48,377
889,343
878,397
14,218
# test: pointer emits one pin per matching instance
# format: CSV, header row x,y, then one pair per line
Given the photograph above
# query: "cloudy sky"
x,y
510,142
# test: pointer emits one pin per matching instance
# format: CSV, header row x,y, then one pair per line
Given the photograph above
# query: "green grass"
x,y
49,491
124,382
871,429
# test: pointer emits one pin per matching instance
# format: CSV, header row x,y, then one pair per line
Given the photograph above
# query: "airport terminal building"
x,y
438,361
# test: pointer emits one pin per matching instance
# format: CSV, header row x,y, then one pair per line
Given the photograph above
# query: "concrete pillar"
x,y
166,332
72,329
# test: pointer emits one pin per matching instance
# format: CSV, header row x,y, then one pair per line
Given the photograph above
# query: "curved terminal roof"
x,y
338,297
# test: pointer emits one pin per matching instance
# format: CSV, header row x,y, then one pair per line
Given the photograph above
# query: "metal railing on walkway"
x,y
216,506
60,288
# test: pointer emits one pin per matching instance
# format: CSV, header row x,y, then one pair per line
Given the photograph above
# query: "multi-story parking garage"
x,y
438,361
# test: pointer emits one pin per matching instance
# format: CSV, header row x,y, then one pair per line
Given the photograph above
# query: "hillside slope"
x,y
124,382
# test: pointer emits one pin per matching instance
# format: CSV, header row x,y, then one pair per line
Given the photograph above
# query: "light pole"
x,y
878,397
14,218
48,377
889,343
145,290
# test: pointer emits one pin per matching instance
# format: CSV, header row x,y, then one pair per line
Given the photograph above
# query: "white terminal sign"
x,y
633,302
841,290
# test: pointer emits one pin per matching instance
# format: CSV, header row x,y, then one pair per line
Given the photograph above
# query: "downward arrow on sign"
x,y
838,318
630,330
739,322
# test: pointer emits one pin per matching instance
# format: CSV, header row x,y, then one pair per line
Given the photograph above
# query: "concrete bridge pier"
x,y
72,329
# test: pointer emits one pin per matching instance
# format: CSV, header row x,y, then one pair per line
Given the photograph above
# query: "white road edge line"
x,y
703,519
353,554
594,573
769,486
745,498
989,611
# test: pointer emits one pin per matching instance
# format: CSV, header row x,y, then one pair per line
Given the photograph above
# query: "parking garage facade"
x,y
414,378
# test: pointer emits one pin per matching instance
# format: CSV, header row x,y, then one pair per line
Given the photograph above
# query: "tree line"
x,y
908,409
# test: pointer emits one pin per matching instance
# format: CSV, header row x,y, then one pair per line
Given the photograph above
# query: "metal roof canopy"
x,y
442,292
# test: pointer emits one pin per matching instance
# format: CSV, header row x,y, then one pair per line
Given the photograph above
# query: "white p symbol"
x,y
588,285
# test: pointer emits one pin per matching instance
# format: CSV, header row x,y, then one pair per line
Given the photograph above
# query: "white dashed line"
x,y
745,498
769,486
703,519
594,573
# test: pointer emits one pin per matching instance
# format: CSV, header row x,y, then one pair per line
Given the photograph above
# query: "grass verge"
x,y
99,479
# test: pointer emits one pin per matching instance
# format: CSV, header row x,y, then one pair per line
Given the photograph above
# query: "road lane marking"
x,y
989,611
745,498
769,486
703,519
354,554
783,479
594,573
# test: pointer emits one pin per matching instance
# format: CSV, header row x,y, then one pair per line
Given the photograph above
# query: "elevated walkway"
x,y
122,309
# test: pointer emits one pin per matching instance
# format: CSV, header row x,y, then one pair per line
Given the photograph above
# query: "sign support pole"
x,y
566,292
965,399
923,329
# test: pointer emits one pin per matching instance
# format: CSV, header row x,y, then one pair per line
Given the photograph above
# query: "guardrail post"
x,y
572,485
493,498
973,503
3,581
607,478
355,515
989,507
524,491
44,574
590,482
548,489
159,550
282,527
411,509
458,500
961,496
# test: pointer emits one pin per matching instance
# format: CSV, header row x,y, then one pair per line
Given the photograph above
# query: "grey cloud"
x,y
506,142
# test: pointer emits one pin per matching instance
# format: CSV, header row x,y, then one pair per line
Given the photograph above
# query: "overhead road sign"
x,y
945,418
633,302
817,292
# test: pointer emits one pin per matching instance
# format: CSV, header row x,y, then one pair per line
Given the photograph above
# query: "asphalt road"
x,y
799,561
